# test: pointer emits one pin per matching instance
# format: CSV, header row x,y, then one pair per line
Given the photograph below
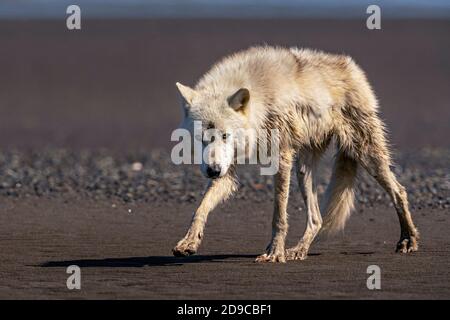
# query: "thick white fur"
x,y
312,98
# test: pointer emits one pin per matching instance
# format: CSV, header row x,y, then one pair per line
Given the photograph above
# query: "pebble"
x,y
136,166
153,177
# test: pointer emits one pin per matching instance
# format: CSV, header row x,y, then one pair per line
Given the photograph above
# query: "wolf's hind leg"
x,y
362,136
275,250
379,168
218,190
306,171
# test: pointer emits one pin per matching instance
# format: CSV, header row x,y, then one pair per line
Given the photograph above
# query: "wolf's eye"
x,y
208,139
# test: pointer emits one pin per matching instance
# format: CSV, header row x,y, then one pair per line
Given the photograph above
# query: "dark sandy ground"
x,y
127,255
78,109
91,209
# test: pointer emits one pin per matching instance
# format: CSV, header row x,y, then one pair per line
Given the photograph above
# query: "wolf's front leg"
x,y
275,250
306,173
218,190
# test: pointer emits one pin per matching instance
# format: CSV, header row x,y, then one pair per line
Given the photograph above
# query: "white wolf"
x,y
312,98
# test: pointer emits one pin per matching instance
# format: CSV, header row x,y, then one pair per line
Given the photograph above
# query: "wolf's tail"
x,y
339,197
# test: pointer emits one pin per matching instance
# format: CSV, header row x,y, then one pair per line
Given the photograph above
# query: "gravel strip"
x,y
148,176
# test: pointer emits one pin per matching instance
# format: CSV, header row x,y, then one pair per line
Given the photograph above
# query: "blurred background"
x,y
111,84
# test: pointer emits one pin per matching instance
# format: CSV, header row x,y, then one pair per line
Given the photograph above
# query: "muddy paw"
x,y
185,248
297,253
272,255
407,245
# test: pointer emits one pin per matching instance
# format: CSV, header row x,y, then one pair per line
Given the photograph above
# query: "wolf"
x,y
313,99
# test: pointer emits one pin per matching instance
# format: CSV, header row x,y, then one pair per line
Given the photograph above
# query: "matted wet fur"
x,y
312,98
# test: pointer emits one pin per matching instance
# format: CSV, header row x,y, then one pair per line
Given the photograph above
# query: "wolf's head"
x,y
223,116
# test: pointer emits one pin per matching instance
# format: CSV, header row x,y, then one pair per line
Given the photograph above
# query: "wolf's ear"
x,y
187,93
239,100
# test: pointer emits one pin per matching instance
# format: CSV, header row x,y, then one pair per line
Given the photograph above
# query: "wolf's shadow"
x,y
152,261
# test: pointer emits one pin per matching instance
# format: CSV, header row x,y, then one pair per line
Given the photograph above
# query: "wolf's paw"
x,y
407,245
185,248
272,255
271,258
297,253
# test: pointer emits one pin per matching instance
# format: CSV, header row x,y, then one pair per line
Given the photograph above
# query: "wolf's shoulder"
x,y
268,66
307,56
249,65
276,54
253,57
260,58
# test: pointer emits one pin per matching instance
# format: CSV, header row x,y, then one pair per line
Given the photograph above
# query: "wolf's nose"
x,y
213,171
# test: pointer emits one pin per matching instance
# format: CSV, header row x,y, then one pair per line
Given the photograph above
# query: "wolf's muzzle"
x,y
213,171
